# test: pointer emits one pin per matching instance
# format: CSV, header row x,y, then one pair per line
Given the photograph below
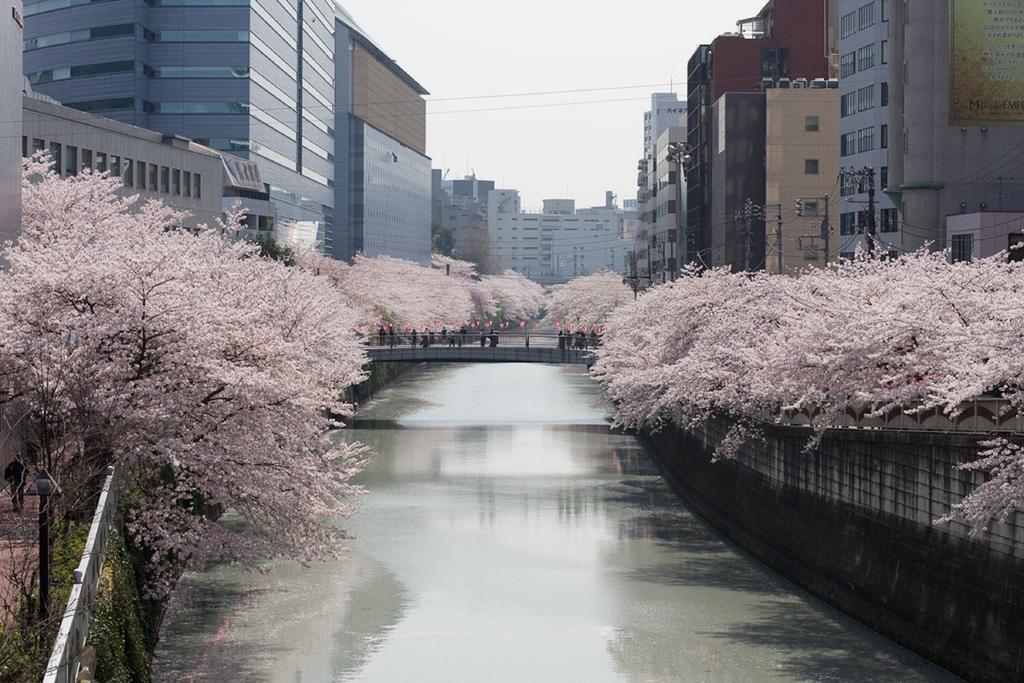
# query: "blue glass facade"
x,y
382,195
254,77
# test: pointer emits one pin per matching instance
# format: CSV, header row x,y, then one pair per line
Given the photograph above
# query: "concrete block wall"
x,y
851,522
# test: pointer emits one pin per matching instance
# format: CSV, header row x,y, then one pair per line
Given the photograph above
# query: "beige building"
x,y
801,167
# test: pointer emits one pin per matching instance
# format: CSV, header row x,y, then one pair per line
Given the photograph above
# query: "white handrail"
x,y
65,658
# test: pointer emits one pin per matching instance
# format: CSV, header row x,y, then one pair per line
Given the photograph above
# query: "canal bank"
x,y
508,535
851,522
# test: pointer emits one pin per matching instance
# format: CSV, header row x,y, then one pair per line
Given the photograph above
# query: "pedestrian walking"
x,y
462,335
494,339
380,336
14,474
483,339
392,338
561,340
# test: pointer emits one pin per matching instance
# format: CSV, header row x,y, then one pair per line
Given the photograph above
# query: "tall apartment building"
x,y
864,56
461,206
666,112
957,146
801,163
786,40
383,180
10,119
560,242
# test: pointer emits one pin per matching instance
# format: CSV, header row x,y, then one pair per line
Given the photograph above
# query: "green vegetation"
x,y
442,239
272,250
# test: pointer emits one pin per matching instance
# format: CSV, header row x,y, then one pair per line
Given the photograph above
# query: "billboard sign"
x,y
986,62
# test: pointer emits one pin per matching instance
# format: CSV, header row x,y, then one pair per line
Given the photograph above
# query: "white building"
x,y
666,111
559,243
11,80
864,125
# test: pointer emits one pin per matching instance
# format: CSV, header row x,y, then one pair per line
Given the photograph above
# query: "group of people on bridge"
x,y
387,336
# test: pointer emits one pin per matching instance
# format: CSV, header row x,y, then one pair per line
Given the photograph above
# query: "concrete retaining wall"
x,y
851,523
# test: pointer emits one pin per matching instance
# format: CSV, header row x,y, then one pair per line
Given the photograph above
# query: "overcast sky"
x,y
475,48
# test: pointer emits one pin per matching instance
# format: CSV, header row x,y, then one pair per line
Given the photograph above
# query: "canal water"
x,y
508,536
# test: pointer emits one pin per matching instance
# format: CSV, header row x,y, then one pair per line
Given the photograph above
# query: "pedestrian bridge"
x,y
510,348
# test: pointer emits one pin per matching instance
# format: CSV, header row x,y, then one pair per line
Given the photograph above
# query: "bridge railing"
x,y
472,339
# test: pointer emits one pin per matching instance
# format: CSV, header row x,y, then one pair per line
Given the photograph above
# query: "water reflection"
x,y
495,545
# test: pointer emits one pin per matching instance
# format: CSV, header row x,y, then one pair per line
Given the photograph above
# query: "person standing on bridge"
x,y
392,338
561,340
483,339
414,337
380,335
494,339
431,333
451,340
462,334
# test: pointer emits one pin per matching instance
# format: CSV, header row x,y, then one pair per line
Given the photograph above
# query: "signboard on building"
x,y
986,62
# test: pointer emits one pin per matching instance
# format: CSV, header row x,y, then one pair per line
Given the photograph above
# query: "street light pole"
x,y
44,489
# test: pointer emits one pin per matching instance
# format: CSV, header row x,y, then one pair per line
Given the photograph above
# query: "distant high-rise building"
x,y
666,111
11,80
559,243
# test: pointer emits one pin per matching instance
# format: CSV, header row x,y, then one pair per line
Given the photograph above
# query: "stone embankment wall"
x,y
851,522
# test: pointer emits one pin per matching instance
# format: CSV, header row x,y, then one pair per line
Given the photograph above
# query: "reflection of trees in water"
x,y
814,645
376,605
777,631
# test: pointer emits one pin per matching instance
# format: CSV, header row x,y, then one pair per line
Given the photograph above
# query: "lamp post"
x,y
45,487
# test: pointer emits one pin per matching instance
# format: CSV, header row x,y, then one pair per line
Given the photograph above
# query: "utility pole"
x,y
826,230
778,238
748,210
872,235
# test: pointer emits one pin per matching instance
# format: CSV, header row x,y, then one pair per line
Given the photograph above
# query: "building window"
x,y
140,174
885,52
884,94
884,136
884,177
86,158
848,25
115,166
963,248
848,144
866,57
848,223
848,104
70,160
866,16
1015,246
186,183
55,157
809,208
812,124
866,139
153,171
866,98
79,36
38,145
197,186
810,166
175,181
885,10
129,172
101,162
848,65
889,222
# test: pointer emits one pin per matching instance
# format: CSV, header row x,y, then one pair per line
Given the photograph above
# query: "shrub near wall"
x,y
117,626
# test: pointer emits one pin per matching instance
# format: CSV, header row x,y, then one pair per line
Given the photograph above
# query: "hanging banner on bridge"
x,y
986,62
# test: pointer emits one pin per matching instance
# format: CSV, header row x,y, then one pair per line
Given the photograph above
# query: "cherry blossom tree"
x,y
514,296
204,371
588,300
912,334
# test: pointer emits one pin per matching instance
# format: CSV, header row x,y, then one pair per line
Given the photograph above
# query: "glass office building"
x,y
252,77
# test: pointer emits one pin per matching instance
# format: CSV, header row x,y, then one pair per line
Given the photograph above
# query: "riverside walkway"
x,y
511,347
